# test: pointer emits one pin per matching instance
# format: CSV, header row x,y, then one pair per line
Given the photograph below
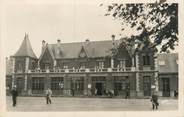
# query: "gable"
x,y
82,53
46,56
123,53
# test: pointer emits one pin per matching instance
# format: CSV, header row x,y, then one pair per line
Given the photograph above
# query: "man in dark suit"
x,y
154,100
14,96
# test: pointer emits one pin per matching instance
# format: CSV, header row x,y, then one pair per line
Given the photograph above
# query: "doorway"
x,y
147,85
166,87
99,88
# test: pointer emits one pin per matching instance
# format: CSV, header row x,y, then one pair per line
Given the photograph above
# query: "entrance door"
x,y
99,88
166,87
57,85
147,85
77,85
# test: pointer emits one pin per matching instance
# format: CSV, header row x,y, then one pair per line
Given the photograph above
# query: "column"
x,y
55,63
133,64
67,85
13,72
29,85
47,82
156,72
110,83
137,74
86,84
112,62
26,71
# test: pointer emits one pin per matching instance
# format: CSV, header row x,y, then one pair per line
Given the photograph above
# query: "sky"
x,y
67,20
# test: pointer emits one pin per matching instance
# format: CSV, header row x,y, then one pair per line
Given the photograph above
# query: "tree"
x,y
156,24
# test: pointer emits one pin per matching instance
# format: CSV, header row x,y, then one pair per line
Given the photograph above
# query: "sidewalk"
x,y
88,104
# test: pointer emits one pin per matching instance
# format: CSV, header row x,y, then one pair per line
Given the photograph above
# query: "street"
x,y
89,104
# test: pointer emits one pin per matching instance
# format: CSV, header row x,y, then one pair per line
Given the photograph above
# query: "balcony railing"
x,y
82,70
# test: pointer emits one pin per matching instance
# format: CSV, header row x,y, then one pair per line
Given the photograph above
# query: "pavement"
x,y
34,104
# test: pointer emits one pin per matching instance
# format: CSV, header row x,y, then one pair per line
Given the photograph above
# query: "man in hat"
x,y
154,100
14,95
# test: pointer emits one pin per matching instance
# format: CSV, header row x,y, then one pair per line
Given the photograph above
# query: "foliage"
x,y
155,23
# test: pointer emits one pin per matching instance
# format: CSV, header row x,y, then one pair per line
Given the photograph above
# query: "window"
x,y
101,64
122,63
38,83
65,66
77,83
19,66
146,60
82,65
57,83
161,62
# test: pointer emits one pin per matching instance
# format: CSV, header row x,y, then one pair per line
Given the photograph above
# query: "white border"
x,y
3,111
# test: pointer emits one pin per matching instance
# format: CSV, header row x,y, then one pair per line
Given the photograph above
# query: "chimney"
x,y
43,45
58,41
113,39
87,41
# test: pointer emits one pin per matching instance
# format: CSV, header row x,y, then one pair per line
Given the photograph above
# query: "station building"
x,y
85,69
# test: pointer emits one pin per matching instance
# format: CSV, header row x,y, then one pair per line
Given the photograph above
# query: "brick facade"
x,y
84,70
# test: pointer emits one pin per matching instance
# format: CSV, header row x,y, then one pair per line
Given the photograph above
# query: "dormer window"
x,y
146,60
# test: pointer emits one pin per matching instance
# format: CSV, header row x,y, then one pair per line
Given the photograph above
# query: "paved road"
x,y
88,104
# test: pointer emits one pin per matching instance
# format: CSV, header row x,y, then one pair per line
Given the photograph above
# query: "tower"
x,y
23,61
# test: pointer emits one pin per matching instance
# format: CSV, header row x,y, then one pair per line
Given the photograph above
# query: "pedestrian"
x,y
127,93
73,93
96,92
14,95
154,100
175,93
48,96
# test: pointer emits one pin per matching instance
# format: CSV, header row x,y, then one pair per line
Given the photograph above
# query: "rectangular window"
x,y
57,83
161,62
38,83
122,63
82,65
101,64
77,83
146,60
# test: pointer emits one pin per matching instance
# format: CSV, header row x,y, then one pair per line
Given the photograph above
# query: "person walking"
x,y
127,92
154,100
48,96
14,95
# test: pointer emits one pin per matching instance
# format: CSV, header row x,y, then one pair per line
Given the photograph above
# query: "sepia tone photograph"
x,y
91,56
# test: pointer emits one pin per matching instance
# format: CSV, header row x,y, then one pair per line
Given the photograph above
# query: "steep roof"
x,y
71,50
25,49
168,63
